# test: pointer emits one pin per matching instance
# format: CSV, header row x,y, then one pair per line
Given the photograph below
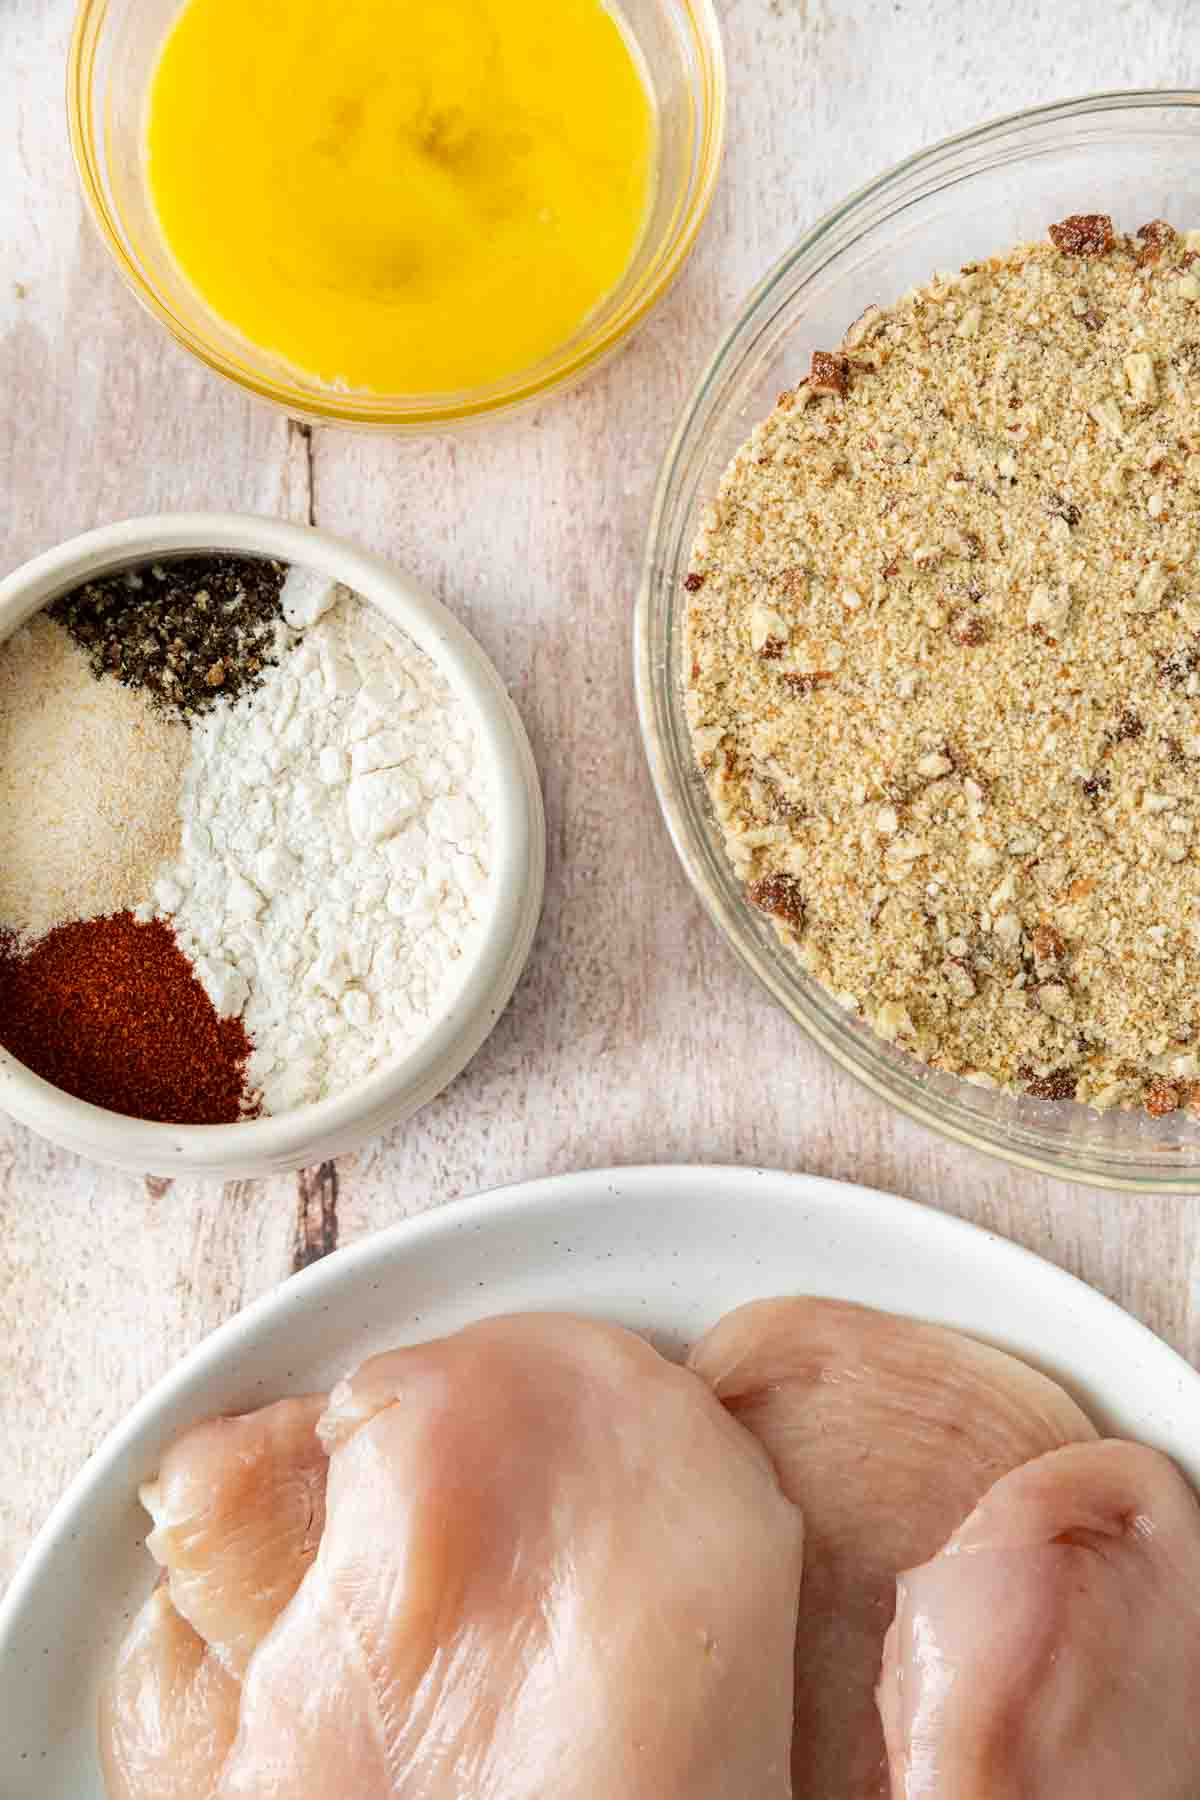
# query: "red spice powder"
x,y
110,1010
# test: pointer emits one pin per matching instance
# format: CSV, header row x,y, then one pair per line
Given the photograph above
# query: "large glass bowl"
x,y
1136,156
113,55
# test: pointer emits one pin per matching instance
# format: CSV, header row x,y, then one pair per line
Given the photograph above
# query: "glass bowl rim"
x,y
419,412
650,689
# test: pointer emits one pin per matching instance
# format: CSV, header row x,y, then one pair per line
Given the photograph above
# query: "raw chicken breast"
x,y
552,1566
885,1433
168,1713
238,1509
1052,1650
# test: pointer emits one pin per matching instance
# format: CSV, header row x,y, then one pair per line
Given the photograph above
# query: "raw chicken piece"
x,y
1052,1650
168,1712
238,1509
552,1566
885,1432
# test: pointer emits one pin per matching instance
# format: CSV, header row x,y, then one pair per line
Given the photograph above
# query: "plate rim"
x,y
592,1186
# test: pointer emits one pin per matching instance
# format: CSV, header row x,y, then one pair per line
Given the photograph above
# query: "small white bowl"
x,y
367,1107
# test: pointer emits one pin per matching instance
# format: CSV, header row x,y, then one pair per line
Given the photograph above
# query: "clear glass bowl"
x,y
1136,156
113,54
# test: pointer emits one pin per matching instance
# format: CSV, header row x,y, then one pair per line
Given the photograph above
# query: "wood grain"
x,y
635,1036
317,1228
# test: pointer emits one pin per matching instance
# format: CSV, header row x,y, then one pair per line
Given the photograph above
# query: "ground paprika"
x,y
110,1010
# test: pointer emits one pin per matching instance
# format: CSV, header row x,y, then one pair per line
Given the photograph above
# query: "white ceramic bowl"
x,y
663,1250
360,1111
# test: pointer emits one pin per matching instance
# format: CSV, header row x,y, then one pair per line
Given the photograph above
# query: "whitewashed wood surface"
x,y
634,1036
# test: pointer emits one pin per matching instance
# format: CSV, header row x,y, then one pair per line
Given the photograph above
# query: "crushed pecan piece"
x,y
1129,728
1161,1097
1048,946
693,583
830,373
968,628
1155,237
1083,234
780,895
807,684
1058,1085
1175,668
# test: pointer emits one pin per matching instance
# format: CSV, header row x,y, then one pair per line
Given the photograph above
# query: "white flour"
x,y
335,850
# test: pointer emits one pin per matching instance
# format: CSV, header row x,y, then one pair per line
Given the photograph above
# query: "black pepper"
x,y
1059,1084
191,632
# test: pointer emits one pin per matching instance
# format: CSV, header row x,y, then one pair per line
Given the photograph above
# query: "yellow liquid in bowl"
x,y
401,196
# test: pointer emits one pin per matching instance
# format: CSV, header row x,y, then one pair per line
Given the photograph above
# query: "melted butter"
x,y
401,196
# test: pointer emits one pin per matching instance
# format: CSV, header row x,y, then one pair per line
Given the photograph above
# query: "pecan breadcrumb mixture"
x,y
944,668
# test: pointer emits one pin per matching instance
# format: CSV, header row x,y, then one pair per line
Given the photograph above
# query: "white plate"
x,y
665,1250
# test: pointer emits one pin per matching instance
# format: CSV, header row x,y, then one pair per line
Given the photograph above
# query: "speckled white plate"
x,y
666,1250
